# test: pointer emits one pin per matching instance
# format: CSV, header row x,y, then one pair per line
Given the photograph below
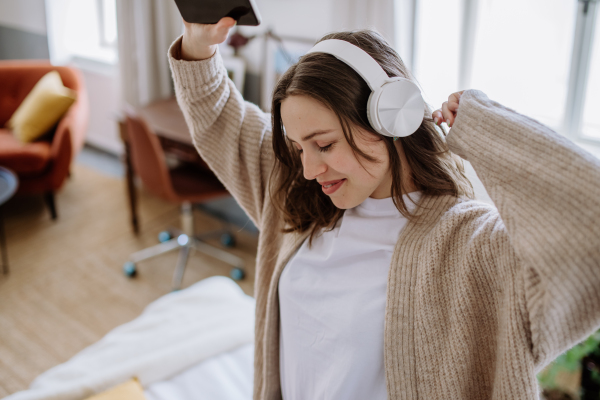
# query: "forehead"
x,y
303,114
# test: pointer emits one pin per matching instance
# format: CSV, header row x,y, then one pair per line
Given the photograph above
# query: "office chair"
x,y
186,184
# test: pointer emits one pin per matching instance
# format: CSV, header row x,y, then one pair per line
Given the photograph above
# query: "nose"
x,y
313,165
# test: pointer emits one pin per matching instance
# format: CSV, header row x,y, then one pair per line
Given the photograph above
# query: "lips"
x,y
331,186
330,182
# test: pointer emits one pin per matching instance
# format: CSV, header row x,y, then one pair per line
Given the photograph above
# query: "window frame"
x,y
102,58
581,58
102,24
580,62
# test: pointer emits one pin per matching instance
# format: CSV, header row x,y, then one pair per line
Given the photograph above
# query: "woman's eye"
x,y
321,149
325,148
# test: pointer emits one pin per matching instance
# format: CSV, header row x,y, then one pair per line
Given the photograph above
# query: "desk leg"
x,y
130,178
3,244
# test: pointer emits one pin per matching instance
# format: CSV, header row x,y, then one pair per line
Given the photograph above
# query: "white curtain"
x,y
146,29
405,24
394,19
359,14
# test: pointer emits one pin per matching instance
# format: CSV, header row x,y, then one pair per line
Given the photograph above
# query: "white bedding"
x,y
227,376
212,320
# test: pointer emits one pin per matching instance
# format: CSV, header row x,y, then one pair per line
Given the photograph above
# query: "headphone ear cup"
x,y
396,108
372,113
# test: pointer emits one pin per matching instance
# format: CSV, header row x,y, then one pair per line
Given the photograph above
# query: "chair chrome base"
x,y
186,242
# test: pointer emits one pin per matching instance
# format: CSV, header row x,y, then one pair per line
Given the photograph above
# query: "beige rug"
x,y
66,289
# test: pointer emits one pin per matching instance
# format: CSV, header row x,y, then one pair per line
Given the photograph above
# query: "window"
x,y
539,57
437,45
591,110
107,21
82,29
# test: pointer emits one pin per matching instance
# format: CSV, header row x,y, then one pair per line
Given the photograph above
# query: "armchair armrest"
x,y
61,151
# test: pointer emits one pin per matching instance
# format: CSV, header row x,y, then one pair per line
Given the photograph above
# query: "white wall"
x,y
26,15
309,19
103,86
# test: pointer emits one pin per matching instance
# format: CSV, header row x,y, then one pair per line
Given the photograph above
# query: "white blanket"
x,y
227,376
174,333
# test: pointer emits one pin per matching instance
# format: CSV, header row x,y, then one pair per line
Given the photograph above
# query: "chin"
x,y
345,203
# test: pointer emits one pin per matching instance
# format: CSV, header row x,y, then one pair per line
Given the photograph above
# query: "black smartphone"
x,y
211,11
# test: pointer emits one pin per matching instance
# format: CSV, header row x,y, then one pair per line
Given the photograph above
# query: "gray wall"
x,y
23,32
17,44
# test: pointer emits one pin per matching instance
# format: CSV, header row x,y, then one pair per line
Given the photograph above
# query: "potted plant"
x,y
584,358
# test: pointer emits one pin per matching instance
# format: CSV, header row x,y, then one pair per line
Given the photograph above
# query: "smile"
x,y
332,186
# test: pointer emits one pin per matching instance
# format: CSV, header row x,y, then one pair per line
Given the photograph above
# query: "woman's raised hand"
x,y
448,111
200,41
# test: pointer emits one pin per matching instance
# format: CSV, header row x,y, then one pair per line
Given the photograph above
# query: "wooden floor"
x,y
66,290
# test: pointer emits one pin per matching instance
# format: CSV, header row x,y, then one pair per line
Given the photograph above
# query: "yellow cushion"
x,y
43,107
130,390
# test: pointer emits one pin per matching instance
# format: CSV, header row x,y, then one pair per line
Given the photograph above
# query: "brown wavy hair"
x,y
434,169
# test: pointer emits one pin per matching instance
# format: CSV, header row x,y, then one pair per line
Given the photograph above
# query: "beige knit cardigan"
x,y
479,299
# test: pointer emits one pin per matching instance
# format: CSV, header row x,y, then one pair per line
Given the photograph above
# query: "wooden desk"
x,y
166,120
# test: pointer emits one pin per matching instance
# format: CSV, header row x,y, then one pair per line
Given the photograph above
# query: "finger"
x,y
223,27
226,22
448,115
437,117
453,104
453,101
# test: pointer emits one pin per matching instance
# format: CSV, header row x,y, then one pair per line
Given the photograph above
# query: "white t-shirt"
x,y
332,306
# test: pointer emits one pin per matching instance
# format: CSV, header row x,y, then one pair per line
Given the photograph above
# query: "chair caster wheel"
x,y
237,274
129,269
227,240
164,236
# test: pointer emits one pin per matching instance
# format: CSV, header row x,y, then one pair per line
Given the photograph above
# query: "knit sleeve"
x,y
547,191
233,136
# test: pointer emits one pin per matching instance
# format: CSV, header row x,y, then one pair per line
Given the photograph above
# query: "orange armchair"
x,y
42,166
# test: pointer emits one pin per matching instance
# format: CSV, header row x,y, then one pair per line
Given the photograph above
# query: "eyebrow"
x,y
312,135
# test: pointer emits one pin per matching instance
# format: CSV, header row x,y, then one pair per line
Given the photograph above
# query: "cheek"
x,y
339,164
337,159
380,153
343,161
368,171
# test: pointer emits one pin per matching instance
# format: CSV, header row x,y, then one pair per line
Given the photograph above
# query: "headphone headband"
x,y
395,107
356,58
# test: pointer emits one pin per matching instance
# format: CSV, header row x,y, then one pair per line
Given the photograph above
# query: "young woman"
x,y
377,274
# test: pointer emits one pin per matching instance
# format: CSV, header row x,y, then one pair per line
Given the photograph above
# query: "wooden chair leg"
x,y
130,175
132,199
49,199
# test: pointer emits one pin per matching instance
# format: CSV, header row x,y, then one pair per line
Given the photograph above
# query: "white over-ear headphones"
x,y
395,107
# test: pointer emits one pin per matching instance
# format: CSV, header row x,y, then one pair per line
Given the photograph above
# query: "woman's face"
x,y
327,157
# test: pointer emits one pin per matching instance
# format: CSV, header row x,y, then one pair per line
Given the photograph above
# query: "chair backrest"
x,y
148,158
